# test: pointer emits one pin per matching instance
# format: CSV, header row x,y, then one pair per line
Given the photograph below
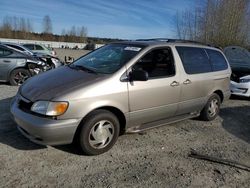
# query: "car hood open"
x,y
56,82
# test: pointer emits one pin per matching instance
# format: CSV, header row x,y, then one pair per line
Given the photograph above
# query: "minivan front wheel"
x,y
99,132
212,108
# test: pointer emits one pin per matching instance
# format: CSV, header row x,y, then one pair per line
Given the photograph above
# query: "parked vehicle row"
x,y
122,87
17,63
53,61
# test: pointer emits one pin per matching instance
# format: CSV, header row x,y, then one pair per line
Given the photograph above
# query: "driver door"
x,y
158,97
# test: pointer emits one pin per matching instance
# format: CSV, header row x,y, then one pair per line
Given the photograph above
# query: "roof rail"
x,y
176,41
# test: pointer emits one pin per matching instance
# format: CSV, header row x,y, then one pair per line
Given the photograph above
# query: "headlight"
x,y
50,108
54,60
244,80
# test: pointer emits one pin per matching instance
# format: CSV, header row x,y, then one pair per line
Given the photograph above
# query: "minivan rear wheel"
x,y
212,108
99,132
19,76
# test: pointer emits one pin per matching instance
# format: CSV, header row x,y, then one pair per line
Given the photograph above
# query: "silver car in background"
x,y
122,87
16,67
52,61
39,48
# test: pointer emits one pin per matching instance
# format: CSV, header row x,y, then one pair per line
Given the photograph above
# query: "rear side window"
x,y
194,60
217,60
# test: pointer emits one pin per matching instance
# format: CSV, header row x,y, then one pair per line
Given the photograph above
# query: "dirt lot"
x,y
156,158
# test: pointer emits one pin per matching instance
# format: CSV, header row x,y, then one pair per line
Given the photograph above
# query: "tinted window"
x,y
1,51
29,46
38,47
217,59
194,60
157,63
4,52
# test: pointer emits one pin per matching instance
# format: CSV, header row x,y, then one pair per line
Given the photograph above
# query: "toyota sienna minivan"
x,y
122,87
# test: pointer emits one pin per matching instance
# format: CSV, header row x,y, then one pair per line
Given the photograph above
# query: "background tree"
x,y
220,22
47,25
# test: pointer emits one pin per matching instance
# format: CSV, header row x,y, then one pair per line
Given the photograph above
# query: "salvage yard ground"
x,y
156,158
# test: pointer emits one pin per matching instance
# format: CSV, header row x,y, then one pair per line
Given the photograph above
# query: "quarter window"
x,y
194,60
217,59
157,63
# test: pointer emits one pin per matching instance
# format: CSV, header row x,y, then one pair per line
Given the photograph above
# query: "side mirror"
x,y
138,75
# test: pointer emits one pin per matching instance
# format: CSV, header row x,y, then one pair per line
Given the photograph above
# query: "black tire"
x,y
89,132
19,76
207,114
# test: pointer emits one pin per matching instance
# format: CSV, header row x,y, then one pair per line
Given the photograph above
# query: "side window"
x,y
1,52
29,46
194,60
217,59
38,47
157,63
4,52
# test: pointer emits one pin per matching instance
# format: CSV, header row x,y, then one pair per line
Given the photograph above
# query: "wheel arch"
x,y
220,94
116,111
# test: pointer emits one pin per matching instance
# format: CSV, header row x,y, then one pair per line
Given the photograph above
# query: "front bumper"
x,y
43,130
240,89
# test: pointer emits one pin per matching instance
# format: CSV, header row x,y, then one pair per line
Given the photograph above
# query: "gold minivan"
x,y
122,87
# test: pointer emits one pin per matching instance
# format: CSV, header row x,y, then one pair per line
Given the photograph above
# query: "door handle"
x,y
187,81
6,61
174,83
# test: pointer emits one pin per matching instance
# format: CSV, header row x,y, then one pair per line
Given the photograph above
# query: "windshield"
x,y
108,59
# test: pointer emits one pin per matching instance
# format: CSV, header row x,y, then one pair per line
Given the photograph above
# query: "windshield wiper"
x,y
80,67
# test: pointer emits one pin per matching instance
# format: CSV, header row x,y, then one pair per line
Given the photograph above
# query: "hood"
x,y
56,82
245,77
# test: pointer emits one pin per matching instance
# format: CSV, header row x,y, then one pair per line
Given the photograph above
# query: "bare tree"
x,y
22,28
221,22
82,33
47,25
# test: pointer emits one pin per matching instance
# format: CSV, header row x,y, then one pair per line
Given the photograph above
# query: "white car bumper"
x,y
240,89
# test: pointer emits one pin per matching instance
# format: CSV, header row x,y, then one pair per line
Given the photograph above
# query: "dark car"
x,y
239,60
16,67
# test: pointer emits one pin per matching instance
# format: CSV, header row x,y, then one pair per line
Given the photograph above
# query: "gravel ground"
x,y
156,158
61,53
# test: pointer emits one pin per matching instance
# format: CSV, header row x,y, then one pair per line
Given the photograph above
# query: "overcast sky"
x,y
127,19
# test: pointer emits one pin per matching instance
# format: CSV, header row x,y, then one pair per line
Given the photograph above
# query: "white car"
x,y
39,48
241,88
239,60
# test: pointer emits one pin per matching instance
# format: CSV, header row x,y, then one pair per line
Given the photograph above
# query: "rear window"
x,y
217,60
194,60
16,47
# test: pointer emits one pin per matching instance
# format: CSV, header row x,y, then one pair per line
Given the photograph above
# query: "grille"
x,y
24,104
